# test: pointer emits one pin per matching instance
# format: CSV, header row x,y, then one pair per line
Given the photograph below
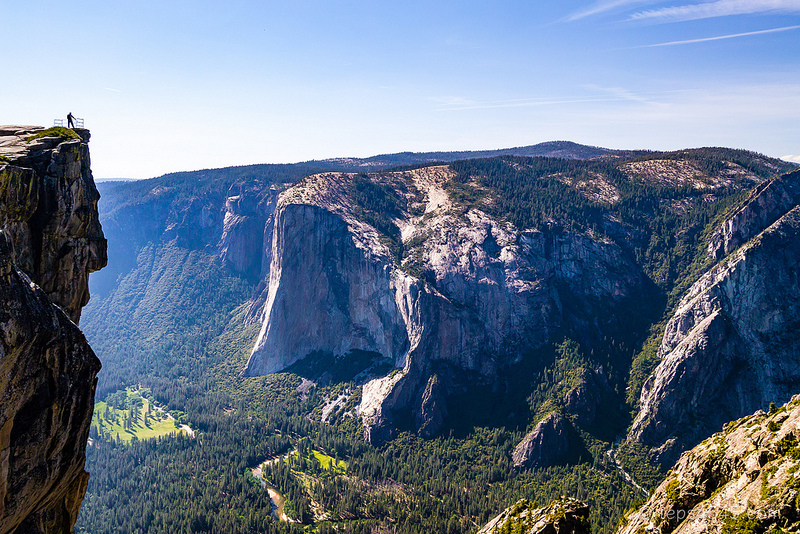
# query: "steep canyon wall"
x,y
50,241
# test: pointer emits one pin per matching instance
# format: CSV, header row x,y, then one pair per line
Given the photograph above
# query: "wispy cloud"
x,y
603,6
717,8
520,103
618,93
792,158
720,37
112,89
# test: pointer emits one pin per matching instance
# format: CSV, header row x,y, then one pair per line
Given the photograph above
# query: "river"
x,y
277,499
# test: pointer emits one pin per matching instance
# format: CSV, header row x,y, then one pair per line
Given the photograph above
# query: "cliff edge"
x,y
50,240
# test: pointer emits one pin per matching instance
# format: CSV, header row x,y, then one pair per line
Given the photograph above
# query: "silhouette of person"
x,y
69,120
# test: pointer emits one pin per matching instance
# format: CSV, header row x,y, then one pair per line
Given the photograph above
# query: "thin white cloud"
x,y
602,7
112,89
718,8
521,103
721,37
619,93
792,158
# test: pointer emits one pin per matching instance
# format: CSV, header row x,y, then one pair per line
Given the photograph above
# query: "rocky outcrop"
x,y
432,408
743,479
584,399
730,347
468,292
552,441
51,240
765,204
48,204
564,516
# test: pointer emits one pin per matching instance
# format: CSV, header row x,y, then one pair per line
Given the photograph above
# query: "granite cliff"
x,y
51,241
465,295
742,479
731,345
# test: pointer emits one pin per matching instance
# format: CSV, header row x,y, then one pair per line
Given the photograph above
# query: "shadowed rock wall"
x,y
50,240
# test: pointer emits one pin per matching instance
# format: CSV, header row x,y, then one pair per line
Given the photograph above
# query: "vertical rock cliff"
x,y
731,346
51,240
448,294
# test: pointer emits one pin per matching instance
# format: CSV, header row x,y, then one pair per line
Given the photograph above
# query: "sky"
x,y
185,85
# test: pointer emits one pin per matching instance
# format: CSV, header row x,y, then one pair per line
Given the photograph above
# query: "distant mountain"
x,y
553,149
120,195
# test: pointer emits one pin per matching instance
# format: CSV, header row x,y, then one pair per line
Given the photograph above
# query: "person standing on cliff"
x,y
69,120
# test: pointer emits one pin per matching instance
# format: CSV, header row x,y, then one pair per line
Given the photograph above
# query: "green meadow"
x,y
128,414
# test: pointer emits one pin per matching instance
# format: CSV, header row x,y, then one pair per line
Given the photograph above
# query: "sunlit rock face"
x,y
51,240
464,296
731,345
564,516
741,479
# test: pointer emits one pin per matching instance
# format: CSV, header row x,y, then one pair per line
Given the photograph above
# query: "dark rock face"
x,y
51,240
48,208
731,345
551,442
584,399
432,409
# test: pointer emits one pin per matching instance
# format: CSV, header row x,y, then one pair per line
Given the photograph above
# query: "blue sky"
x,y
180,85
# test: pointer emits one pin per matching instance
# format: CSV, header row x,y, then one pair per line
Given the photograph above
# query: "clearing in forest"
x,y
131,413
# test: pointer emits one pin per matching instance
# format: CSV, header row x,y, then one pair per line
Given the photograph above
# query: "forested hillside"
x,y
179,308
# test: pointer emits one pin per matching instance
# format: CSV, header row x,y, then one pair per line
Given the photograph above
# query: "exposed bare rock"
x,y
47,391
325,295
596,187
48,207
765,204
743,479
246,225
565,516
51,239
583,400
678,172
550,443
433,408
730,347
468,291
